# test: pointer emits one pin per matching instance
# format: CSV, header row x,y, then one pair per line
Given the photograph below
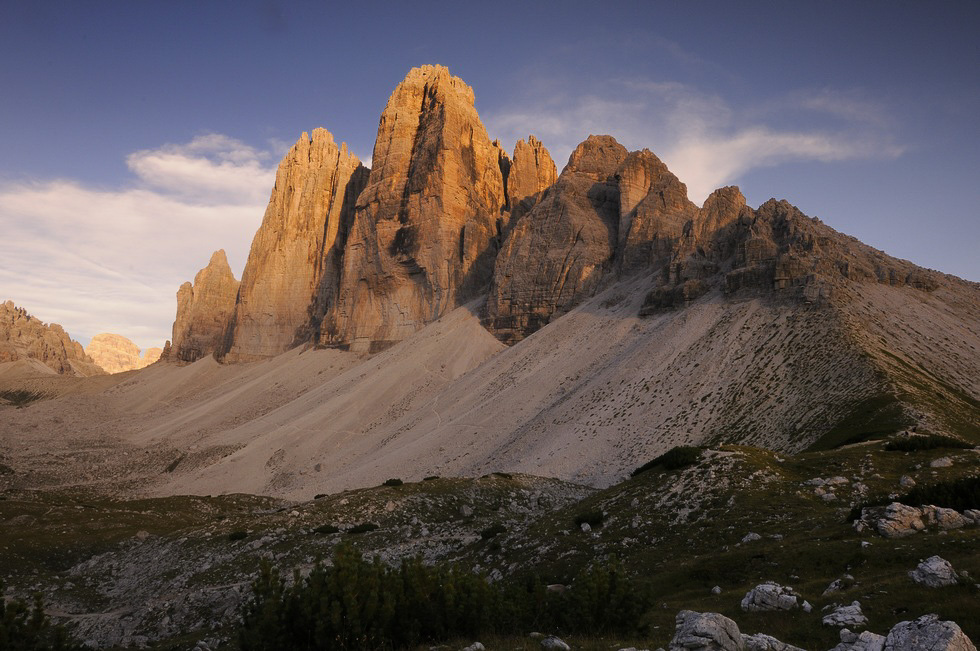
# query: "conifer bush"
x,y
25,627
354,603
673,459
927,442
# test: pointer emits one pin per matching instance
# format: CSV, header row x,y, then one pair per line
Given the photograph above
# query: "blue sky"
x,y
138,137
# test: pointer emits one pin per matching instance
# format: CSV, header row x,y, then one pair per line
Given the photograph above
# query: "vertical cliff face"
x,y
117,354
425,231
653,212
204,311
292,268
530,173
24,337
557,253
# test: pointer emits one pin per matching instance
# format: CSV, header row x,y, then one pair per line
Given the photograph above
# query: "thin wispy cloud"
x,y
703,139
111,260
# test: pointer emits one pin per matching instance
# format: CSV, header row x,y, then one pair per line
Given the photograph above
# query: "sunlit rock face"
x,y
292,272
204,312
558,252
426,229
24,337
117,354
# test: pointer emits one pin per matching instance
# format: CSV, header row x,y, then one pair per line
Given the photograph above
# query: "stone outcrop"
x,y
763,642
928,632
204,312
866,641
770,596
934,572
898,520
705,632
850,616
293,268
117,354
23,337
425,231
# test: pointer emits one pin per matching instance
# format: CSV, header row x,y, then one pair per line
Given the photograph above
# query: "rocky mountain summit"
x,y
31,342
204,312
359,260
117,354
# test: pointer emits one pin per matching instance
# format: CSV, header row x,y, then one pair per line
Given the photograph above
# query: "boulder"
x,y
934,572
900,520
763,642
705,632
941,462
927,632
770,596
850,616
552,643
866,641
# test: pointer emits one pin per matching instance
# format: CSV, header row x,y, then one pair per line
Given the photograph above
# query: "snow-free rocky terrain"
x,y
530,338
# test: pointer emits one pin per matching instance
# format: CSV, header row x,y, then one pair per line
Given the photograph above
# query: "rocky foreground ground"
x,y
769,542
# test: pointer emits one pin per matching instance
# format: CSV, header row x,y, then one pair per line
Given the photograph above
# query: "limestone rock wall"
x,y
292,271
557,254
117,354
204,312
23,336
425,232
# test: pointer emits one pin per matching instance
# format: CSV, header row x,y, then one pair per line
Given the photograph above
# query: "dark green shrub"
x,y
26,627
672,459
493,530
504,475
363,527
319,496
327,529
959,494
592,518
21,397
360,604
927,442
237,535
393,482
430,478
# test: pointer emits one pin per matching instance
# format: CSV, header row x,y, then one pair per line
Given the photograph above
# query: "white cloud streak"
x,y
111,260
704,140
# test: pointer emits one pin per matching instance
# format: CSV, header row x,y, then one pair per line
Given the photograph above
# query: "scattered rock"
x,y
837,585
476,646
554,644
846,616
866,641
927,632
716,590
751,537
941,462
586,527
906,482
934,572
770,596
763,642
705,632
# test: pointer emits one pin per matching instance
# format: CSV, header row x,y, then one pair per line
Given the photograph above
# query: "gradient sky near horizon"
x,y
138,137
